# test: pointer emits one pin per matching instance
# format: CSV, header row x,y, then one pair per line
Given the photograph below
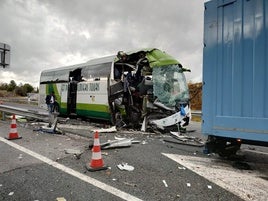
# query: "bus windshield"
x,y
169,85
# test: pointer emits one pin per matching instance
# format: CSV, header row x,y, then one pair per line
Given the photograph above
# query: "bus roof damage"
x,y
145,88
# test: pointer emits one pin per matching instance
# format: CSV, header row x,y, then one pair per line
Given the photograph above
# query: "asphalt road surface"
x,y
41,166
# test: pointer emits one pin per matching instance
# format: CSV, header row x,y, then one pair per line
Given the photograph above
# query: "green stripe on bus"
x,y
89,110
92,107
94,114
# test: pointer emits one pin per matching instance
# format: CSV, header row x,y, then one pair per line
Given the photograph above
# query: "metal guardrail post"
x,y
2,116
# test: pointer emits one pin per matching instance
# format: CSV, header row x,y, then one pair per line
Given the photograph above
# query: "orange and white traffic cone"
x,y
13,134
96,162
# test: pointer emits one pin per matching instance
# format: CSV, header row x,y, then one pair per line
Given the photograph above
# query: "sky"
x,y
45,34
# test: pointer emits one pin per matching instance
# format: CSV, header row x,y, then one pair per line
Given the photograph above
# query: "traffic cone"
x,y
96,162
13,134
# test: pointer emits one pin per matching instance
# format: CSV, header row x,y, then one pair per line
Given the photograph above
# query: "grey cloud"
x,y
41,33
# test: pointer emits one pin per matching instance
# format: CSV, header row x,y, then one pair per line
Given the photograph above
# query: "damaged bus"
x,y
140,88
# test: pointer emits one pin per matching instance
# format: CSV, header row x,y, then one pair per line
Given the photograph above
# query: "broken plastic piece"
x,y
125,166
61,199
182,168
20,157
165,183
106,130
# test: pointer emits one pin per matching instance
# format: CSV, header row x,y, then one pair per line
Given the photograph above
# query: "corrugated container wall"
x,y
235,69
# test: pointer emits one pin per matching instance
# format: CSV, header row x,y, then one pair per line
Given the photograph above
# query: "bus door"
x,y
75,77
72,95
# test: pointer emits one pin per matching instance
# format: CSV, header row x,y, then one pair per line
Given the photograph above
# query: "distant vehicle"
x,y
235,75
146,86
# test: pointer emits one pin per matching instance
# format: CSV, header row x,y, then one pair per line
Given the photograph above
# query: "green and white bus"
x,y
146,85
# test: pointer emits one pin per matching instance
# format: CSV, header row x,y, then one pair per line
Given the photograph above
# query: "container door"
x,y
235,69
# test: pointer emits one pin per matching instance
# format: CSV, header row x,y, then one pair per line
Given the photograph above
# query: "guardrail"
x,y
41,115
196,113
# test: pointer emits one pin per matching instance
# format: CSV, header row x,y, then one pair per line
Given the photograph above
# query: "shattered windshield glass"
x,y
170,85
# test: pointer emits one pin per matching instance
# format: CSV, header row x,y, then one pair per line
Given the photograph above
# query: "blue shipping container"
x,y
235,72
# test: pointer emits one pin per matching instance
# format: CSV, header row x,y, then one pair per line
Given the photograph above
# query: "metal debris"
x,y
129,184
50,128
178,138
116,144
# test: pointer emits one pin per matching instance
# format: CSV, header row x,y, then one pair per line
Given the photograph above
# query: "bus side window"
x,y
117,74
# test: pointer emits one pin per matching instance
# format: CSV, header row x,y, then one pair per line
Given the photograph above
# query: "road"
x,y
37,167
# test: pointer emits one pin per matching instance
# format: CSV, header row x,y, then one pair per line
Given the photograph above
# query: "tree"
x,y
3,86
28,88
12,85
20,91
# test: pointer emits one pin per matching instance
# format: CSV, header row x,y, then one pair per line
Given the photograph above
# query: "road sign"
x,y
4,55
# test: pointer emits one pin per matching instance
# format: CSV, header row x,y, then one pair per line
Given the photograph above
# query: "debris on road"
x,y
116,144
144,142
129,184
125,166
61,199
165,183
76,152
178,138
20,157
182,168
106,130
50,128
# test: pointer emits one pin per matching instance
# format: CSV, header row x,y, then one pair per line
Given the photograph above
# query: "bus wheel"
x,y
119,120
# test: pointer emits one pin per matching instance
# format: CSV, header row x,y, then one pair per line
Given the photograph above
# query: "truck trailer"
x,y
235,75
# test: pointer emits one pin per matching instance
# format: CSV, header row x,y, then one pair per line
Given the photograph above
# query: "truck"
x,y
235,75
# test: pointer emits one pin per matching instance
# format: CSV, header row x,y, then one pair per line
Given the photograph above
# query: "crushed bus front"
x,y
153,90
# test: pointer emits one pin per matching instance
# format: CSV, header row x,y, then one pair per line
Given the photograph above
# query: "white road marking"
x,y
246,184
72,172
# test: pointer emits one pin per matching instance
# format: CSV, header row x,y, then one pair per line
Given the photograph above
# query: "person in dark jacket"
x,y
50,100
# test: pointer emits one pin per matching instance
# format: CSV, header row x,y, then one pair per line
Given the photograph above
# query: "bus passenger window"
x,y
117,74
